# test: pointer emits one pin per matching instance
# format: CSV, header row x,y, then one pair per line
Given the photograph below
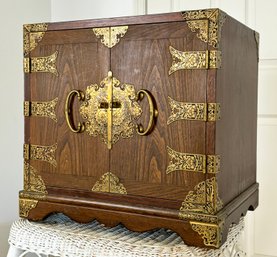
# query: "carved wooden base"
x,y
139,217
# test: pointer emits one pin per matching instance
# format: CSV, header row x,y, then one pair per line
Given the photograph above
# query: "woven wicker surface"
x,y
58,235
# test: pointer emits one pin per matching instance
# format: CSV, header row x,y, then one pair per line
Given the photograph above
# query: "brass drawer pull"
x,y
68,111
152,111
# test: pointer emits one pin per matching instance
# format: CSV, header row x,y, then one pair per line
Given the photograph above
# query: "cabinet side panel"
x,y
236,91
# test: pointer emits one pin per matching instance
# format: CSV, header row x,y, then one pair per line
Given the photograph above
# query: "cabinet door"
x,y
144,59
71,60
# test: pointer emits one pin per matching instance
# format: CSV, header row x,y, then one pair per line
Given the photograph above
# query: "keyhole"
x,y
105,105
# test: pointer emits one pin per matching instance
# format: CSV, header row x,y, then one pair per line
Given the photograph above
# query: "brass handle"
x,y
68,110
152,111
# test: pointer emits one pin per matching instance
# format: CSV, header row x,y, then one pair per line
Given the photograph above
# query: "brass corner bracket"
x,y
192,162
25,206
207,23
41,109
32,35
34,186
109,183
211,233
110,36
188,60
200,207
193,111
203,199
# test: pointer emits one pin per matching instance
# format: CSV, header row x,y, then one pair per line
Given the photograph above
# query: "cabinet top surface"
x,y
135,20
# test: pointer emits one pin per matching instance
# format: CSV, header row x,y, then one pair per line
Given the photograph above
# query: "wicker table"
x,y
60,236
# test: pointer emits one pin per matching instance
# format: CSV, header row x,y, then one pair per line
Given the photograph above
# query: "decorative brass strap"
x,y
193,111
110,36
40,153
32,35
25,205
194,60
109,183
211,233
192,162
152,111
207,24
41,109
41,64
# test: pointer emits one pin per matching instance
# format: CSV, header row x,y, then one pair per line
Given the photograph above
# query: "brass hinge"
x,y
193,111
192,162
194,60
41,109
41,64
40,153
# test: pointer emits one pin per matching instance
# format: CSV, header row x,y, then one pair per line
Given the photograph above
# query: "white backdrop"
x,y
258,14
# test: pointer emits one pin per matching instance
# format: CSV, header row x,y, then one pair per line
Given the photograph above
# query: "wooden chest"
x,y
149,121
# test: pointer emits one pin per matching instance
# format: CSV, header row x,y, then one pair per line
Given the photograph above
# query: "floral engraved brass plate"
x,y
186,111
33,183
41,109
110,110
194,60
211,233
109,183
185,161
193,111
110,36
192,162
41,64
41,153
25,205
203,199
207,24
32,35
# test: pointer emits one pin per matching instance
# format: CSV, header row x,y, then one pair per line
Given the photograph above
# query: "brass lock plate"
x,y
110,110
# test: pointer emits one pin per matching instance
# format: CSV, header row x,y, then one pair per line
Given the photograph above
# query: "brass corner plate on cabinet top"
x,y
207,23
109,183
188,60
110,36
211,233
192,162
41,109
25,206
41,64
32,35
193,111
40,153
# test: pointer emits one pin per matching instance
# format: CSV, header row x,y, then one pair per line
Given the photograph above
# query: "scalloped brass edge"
x,y
32,35
207,23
